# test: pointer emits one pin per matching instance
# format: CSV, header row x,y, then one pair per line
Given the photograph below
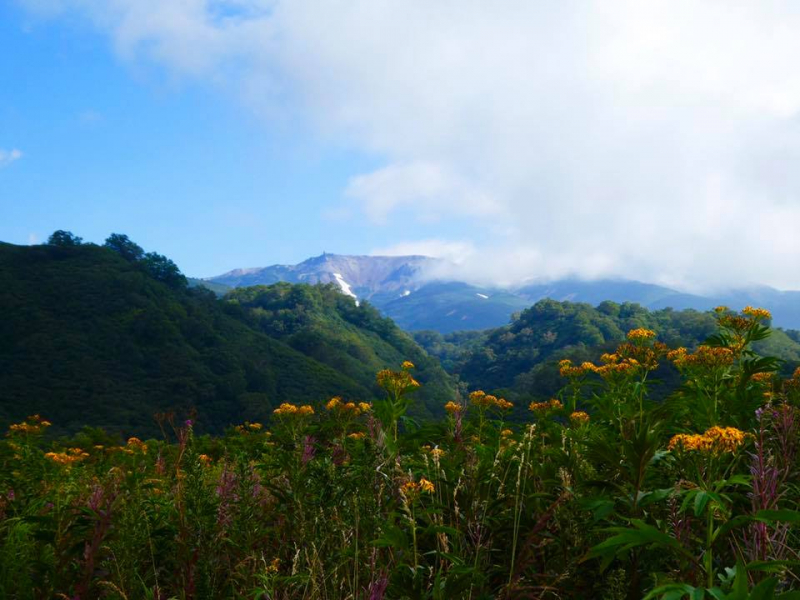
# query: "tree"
x,y
64,238
122,244
161,268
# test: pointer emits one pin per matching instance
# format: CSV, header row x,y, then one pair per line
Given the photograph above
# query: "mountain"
x,y
365,277
414,291
91,338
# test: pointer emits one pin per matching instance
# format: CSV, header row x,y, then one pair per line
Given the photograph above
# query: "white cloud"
x,y
9,156
656,140
454,252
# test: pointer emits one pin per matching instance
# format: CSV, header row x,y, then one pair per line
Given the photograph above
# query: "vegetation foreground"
x,y
604,493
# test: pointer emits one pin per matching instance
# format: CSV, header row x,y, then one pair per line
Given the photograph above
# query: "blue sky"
x,y
178,166
656,141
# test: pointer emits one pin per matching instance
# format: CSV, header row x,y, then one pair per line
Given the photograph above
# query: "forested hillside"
x,y
109,336
324,324
521,358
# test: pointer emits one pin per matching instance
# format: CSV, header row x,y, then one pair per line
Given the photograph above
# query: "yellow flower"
x,y
552,404
305,410
478,397
365,406
333,403
503,404
757,314
68,457
506,433
579,417
721,309
136,445
437,453
763,378
273,566
716,439
453,408
285,409
641,334
356,436
426,486
204,459
407,364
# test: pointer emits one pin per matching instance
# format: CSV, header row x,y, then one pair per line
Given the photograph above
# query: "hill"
x,y
520,359
92,337
328,326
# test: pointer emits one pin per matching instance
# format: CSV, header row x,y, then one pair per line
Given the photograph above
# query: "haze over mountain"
x,y
421,292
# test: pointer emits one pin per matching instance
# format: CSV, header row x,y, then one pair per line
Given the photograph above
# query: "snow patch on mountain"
x,y
484,296
345,286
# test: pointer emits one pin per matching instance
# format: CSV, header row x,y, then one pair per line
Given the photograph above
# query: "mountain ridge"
x,y
416,292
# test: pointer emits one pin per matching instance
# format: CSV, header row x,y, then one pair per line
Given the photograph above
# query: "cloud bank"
x,y
651,140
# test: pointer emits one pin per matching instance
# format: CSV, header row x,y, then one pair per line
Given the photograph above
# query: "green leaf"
x,y
764,590
785,515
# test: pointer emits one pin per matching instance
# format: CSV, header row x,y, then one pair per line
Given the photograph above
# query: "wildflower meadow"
x,y
601,492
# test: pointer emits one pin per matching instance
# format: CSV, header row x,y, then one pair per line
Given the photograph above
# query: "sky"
x,y
656,141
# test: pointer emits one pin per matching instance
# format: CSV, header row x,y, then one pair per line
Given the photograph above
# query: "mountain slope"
x,y
452,306
89,337
325,324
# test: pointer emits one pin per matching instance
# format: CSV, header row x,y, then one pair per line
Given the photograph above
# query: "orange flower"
x,y
579,418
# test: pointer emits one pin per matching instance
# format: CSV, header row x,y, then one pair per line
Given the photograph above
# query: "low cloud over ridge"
x,y
650,140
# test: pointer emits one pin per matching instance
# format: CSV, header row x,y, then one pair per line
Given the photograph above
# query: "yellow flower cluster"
x,y
705,356
135,445
247,427
437,453
552,404
396,380
714,440
506,433
204,459
567,369
412,489
287,409
483,400
33,425
579,417
67,458
335,404
273,566
641,334
762,378
618,367
453,408
356,436
757,313
407,364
